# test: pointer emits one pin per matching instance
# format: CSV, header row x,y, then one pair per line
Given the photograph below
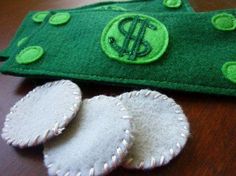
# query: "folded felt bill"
x,y
30,26
182,51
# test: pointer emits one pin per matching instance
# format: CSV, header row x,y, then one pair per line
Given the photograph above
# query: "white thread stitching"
x,y
119,150
178,110
47,134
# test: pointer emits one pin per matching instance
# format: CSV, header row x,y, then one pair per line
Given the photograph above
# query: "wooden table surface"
x,y
210,151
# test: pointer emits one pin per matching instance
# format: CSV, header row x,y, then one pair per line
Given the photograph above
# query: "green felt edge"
x,y
4,54
120,81
160,84
113,7
99,4
16,36
188,6
103,3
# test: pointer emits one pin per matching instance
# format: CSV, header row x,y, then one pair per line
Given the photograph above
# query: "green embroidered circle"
x,y
224,22
40,16
29,55
229,71
59,18
172,3
22,41
134,39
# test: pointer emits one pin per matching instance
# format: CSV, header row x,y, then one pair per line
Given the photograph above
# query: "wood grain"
x,y
210,151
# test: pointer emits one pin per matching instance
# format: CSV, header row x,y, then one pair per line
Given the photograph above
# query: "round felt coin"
x,y
134,39
161,129
29,55
172,3
224,22
41,114
229,71
39,17
59,18
94,143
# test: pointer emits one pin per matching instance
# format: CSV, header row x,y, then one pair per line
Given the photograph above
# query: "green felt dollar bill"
x,y
187,52
31,24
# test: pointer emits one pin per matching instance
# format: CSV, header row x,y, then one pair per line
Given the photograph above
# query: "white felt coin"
x,y
161,129
42,113
95,142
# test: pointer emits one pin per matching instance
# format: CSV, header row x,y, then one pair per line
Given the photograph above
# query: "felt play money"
x,y
95,142
161,129
42,114
36,19
136,48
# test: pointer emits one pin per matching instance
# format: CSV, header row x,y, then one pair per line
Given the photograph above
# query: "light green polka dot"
x,y
40,16
172,3
229,71
59,18
22,41
224,22
29,55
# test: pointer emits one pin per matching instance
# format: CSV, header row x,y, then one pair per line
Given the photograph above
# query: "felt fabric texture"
x,y
22,41
161,129
94,143
59,18
28,26
172,3
42,114
150,6
29,55
191,62
229,71
133,39
224,22
39,17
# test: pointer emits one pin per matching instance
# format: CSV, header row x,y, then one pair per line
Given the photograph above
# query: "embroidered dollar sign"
x,y
134,39
129,35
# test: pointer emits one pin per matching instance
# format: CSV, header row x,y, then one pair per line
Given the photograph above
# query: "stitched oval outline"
x,y
39,17
172,3
134,39
224,22
29,55
59,18
229,71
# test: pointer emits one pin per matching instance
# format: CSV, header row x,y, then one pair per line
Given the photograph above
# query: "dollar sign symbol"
x,y
138,40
